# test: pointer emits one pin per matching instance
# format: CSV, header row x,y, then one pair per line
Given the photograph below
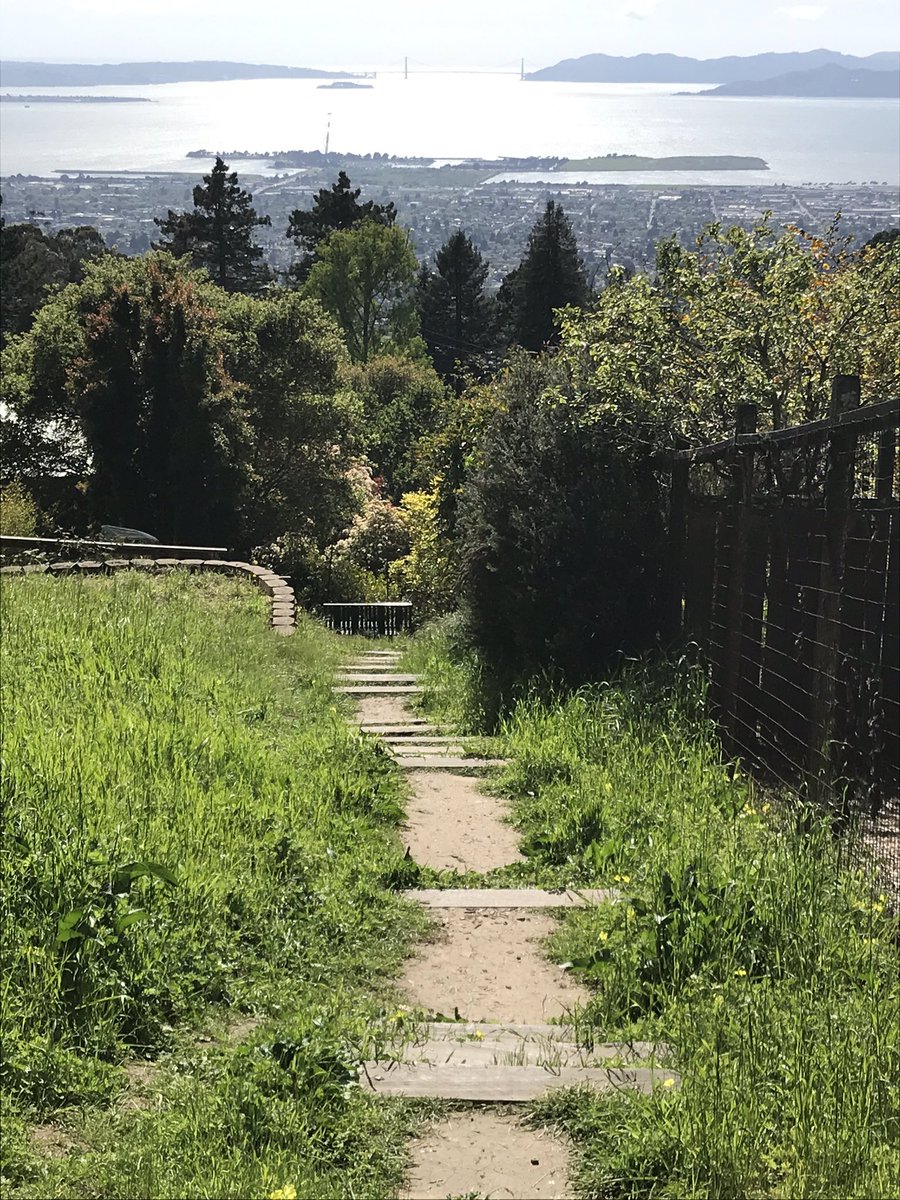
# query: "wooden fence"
x,y
383,618
785,562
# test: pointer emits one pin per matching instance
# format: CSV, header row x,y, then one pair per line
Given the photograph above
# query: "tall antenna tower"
x,y
522,75
327,138
406,68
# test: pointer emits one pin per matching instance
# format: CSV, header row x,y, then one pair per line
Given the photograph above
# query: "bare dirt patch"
x,y
489,965
52,1142
487,1154
140,1079
451,824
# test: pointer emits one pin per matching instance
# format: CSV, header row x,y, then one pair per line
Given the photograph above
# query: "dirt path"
x,y
484,1153
489,966
452,825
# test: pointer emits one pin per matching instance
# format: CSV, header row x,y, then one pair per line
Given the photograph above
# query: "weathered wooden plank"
x,y
502,1084
481,1045
372,689
511,897
411,762
513,1033
414,728
369,677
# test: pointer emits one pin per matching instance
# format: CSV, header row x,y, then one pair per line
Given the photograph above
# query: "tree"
x,y
551,276
457,317
218,234
365,278
378,537
34,263
204,417
333,208
401,398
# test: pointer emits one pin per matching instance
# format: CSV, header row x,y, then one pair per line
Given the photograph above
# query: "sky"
x,y
434,33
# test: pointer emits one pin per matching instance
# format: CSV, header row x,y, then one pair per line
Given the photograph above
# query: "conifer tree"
x,y
457,317
550,276
333,209
218,234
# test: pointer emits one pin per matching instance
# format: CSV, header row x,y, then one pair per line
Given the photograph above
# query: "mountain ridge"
x,y
674,68
830,80
43,74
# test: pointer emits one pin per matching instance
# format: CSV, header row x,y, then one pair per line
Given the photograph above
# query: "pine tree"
x,y
333,209
457,317
218,234
550,276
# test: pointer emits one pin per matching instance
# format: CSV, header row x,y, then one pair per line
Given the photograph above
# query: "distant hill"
x,y
830,80
671,68
42,74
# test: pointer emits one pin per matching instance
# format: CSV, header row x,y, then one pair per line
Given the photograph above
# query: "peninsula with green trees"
x,y
282,159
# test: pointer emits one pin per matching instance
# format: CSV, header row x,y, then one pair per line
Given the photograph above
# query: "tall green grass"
x,y
748,936
189,828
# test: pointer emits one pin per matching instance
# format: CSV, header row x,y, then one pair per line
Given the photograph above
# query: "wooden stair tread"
x,y
372,689
366,677
510,897
429,762
510,1035
501,1084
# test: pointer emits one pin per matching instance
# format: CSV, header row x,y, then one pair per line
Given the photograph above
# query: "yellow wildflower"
x,y
621,879
668,1083
479,1035
603,935
288,1192
767,808
740,972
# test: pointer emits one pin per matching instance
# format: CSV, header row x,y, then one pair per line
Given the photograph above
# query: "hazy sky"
x,y
450,32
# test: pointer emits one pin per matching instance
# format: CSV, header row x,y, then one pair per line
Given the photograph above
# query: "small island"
x,y
9,98
690,162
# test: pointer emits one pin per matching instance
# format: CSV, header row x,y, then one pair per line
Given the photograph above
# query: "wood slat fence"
x,y
785,563
383,618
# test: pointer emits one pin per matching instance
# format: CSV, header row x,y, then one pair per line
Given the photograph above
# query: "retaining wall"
x,y
282,603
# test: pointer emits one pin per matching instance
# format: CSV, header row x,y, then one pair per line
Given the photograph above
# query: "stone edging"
x,y
282,602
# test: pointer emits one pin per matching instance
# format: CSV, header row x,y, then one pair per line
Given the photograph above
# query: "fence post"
x,y
746,420
674,591
839,480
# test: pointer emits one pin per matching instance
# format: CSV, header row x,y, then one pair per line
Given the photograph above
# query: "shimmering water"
x,y
453,116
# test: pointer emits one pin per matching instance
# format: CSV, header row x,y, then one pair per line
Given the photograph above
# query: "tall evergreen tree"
x,y
218,234
550,276
457,317
333,209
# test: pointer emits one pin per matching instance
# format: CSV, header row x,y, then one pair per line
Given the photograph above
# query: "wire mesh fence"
x,y
785,570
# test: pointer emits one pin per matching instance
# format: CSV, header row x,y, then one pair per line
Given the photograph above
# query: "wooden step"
x,y
436,763
511,897
502,1084
451,750
513,1033
480,1044
373,689
418,737
413,729
368,677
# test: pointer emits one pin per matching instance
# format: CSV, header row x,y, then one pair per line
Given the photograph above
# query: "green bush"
x,y
562,527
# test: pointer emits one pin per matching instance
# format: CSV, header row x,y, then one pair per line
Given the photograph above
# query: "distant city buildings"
x,y
616,224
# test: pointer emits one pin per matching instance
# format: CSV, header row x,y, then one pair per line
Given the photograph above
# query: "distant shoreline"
x,y
613,163
9,98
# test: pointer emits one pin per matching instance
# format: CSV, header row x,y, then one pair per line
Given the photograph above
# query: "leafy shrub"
x,y
561,533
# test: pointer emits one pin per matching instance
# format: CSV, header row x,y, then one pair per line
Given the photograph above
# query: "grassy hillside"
x,y
197,938
750,938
